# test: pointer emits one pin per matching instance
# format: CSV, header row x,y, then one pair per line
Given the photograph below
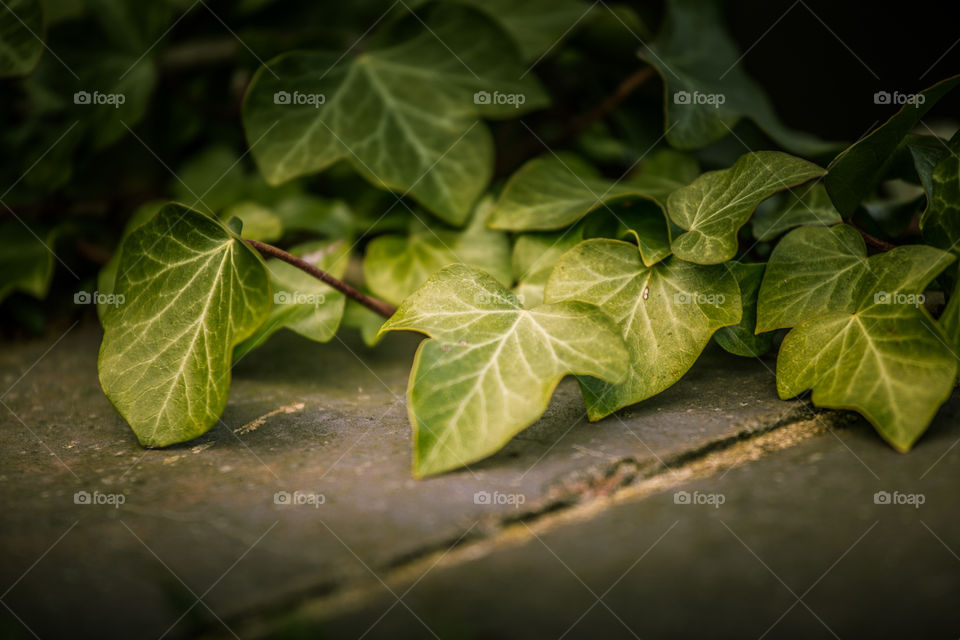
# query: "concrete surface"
x,y
200,544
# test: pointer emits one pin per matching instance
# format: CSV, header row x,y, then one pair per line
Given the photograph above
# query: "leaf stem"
x,y
377,306
528,146
626,87
873,241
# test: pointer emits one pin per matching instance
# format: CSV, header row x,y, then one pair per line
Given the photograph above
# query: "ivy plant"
x,y
438,175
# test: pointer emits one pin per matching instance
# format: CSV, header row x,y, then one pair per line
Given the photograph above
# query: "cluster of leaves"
x,y
384,154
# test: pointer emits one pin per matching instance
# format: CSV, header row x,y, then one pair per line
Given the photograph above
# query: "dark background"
x,y
818,85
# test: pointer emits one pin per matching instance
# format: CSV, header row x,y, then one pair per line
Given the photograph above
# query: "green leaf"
x,y
395,266
666,314
368,323
664,172
808,206
534,255
649,229
740,340
301,302
536,26
491,366
259,222
404,114
940,221
926,152
812,271
26,260
21,33
304,212
211,180
112,94
887,359
714,206
950,318
554,191
191,291
135,26
107,278
706,90
854,174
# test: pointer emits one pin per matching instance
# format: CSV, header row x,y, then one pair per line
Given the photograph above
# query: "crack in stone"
x,y
576,497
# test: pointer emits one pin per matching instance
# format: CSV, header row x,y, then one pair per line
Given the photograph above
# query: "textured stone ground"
x,y
591,537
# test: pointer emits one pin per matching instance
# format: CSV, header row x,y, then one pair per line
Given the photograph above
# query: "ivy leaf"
x,y
368,323
854,174
302,303
534,255
926,152
714,206
107,277
112,93
646,223
663,173
211,180
810,206
26,264
706,90
740,340
133,26
490,367
940,221
813,270
405,114
552,192
887,359
395,266
305,212
191,291
536,26
666,314
950,318
259,222
21,30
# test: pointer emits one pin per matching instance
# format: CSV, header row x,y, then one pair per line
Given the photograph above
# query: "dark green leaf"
x,y
21,36
706,90
405,115
740,340
854,174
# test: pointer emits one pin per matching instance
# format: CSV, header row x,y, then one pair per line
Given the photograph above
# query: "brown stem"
x,y
629,84
199,53
529,146
377,306
873,241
